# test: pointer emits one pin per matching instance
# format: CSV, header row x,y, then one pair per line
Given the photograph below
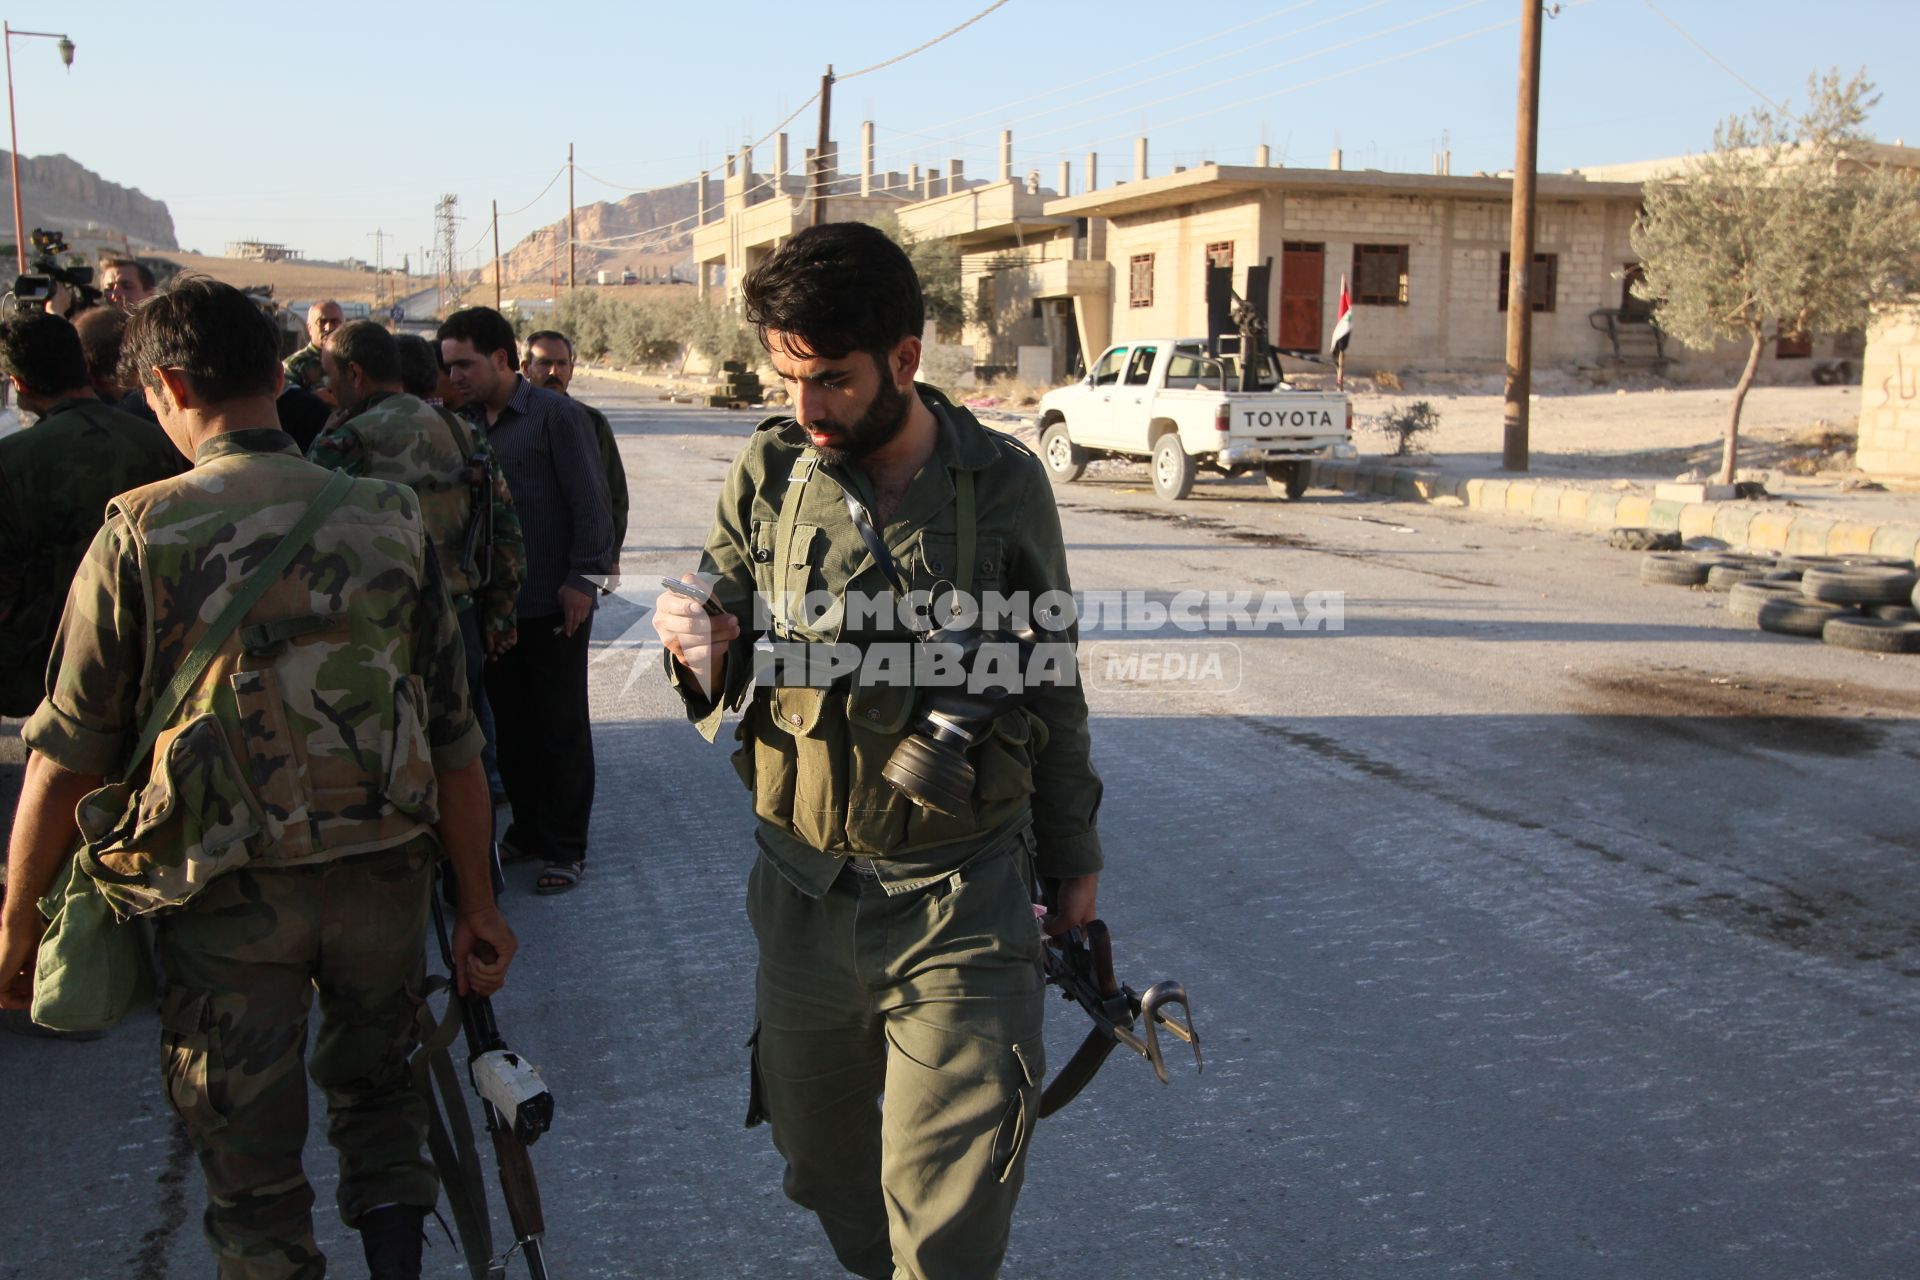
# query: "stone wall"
x,y
1890,398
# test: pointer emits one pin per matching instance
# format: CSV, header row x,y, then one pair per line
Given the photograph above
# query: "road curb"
x,y
1739,524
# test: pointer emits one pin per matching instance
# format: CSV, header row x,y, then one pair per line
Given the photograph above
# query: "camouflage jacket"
x,y
318,728
55,479
616,476
398,437
304,368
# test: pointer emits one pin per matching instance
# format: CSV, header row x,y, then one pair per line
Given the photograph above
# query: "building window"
x,y
1220,254
1544,286
1140,283
1380,275
1793,346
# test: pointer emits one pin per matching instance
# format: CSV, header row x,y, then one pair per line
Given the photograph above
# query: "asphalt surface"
x,y
1537,923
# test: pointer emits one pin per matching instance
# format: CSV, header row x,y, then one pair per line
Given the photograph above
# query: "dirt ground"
x,y
1643,433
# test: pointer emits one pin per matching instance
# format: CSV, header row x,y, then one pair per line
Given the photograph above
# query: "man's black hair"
x,y
213,333
486,329
837,288
419,365
140,269
102,330
550,335
368,345
44,352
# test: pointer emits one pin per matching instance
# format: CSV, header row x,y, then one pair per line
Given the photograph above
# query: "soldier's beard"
x,y
882,421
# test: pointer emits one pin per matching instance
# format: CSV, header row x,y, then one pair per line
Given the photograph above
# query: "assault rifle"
x,y
518,1108
1081,965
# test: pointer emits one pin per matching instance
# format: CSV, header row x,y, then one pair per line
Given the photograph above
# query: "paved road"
x,y
1538,923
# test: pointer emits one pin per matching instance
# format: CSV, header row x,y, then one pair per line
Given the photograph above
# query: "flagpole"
x,y
1340,370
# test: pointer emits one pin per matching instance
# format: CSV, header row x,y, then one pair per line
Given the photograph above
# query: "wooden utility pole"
x,y
1516,414
819,213
496,255
570,226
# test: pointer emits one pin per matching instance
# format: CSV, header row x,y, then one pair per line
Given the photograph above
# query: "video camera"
x,y
34,290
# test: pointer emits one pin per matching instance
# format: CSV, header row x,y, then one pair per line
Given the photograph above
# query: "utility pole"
x,y
1516,414
571,230
379,267
496,255
819,213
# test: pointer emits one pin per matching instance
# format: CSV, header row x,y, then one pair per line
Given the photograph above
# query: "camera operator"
x,y
883,921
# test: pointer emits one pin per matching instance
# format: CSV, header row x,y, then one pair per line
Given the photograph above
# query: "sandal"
x,y
562,875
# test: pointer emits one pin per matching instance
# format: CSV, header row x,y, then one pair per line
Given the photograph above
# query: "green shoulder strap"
x,y
244,599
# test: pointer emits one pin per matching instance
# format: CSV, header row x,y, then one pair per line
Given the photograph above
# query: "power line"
x,y
543,191
1260,71
1164,53
1780,106
922,48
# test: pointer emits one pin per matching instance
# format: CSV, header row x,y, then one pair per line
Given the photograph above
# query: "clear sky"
x,y
316,124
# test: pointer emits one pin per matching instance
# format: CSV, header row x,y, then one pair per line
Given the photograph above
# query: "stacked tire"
x,y
1867,603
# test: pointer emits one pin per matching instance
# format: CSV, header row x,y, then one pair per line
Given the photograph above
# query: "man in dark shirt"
x,y
539,689
55,479
550,365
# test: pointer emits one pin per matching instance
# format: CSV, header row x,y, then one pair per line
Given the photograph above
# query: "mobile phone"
x,y
693,591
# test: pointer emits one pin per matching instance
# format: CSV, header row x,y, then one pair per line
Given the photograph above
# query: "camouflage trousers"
x,y
932,999
243,961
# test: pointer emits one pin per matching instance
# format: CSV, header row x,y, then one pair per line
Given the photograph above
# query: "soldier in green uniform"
x,y
899,955
390,435
55,479
322,761
303,366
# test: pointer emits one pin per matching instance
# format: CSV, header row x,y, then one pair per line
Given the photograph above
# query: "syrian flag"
x,y
1343,324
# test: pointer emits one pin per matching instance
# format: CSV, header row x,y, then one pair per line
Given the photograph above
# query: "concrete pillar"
x,y
913,181
932,185
1139,159
1263,156
779,157
1335,162
866,157
896,181
703,200
1033,182
1066,177
1093,170
956,175
1006,155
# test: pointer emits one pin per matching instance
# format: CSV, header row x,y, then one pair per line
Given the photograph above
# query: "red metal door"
x,y
1303,270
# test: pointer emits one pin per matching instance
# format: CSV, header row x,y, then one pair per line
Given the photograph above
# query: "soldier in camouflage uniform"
x,y
897,1050
390,435
303,366
55,479
307,783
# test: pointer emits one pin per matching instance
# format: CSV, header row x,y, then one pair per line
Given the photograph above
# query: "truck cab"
x,y
1187,408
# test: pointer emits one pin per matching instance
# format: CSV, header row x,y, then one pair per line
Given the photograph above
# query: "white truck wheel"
x,y
1065,459
1173,469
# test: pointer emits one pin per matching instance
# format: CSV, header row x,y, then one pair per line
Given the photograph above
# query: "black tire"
x,y
1789,617
1065,460
1859,584
1804,563
1637,538
1724,575
1287,479
1872,635
1173,468
1746,598
1674,569
1894,612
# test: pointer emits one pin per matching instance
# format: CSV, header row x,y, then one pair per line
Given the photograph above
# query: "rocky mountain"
x,y
607,234
61,194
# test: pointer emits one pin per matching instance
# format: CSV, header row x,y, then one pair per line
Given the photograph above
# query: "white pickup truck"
x,y
1167,400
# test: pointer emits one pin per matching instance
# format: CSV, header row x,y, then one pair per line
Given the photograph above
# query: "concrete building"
x,y
1425,257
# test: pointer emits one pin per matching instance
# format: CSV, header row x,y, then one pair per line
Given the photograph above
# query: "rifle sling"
x,y
450,1134
1081,1068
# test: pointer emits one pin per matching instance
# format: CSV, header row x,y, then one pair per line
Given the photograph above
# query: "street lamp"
x,y
13,137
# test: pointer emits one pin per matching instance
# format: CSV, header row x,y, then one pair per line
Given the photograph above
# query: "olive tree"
x,y
1780,230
